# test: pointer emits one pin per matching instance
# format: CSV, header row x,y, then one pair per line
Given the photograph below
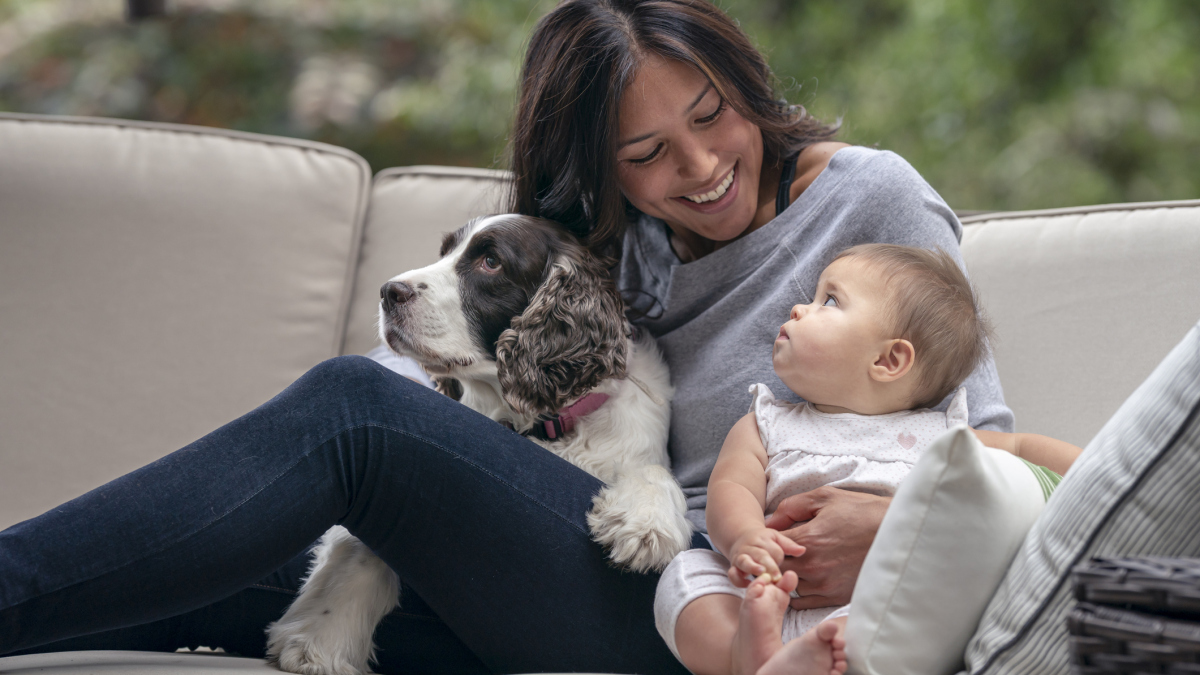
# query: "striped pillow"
x,y
1134,491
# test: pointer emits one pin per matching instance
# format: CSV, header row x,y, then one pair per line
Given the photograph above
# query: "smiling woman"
x,y
664,96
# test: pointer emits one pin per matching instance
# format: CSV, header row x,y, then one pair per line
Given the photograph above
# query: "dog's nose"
x,y
396,293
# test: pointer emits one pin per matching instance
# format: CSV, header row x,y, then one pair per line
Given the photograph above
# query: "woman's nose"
x,y
697,162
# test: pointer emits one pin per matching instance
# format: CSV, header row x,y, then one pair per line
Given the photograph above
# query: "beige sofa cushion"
x,y
157,281
1085,301
411,207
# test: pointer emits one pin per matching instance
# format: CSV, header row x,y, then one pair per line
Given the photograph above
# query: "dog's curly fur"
x,y
572,336
517,321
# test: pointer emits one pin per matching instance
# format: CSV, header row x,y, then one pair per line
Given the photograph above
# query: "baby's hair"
x,y
932,305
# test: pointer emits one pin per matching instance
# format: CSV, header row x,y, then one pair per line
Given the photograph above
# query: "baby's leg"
x,y
705,631
820,651
760,623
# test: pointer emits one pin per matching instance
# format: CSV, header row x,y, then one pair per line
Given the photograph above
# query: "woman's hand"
x,y
836,527
759,552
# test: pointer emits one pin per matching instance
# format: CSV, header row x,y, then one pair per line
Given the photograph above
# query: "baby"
x,y
891,331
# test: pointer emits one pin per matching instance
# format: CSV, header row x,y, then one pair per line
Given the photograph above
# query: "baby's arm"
x,y
1041,450
736,497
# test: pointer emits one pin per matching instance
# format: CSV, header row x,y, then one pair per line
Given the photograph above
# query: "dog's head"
x,y
516,298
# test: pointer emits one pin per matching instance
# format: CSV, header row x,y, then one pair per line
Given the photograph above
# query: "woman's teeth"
x,y
717,193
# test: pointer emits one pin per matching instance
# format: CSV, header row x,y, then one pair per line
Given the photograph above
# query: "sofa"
x,y
157,281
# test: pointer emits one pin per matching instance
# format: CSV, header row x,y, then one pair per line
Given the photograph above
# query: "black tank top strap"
x,y
784,197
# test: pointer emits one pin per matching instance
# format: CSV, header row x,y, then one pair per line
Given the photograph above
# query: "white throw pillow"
x,y
947,539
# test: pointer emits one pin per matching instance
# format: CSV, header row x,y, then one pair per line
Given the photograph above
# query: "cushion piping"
x,y
442,171
1079,210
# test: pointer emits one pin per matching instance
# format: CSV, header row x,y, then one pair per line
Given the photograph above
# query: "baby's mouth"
x,y
782,334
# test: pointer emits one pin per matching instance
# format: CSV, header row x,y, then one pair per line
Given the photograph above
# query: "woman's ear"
x,y
572,336
894,362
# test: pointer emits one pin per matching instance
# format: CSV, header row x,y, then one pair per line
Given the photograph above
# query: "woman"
x,y
661,112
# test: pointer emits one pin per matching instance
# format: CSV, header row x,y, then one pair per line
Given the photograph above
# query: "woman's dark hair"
x,y
581,57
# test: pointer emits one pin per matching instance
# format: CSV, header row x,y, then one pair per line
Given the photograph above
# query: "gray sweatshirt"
x,y
716,318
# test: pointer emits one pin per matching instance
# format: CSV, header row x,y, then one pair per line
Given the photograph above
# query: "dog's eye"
x,y
491,264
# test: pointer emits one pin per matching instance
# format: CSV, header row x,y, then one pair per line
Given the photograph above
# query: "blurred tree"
x,y
1006,104
398,82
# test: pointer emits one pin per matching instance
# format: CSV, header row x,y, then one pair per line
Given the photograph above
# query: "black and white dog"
x,y
519,322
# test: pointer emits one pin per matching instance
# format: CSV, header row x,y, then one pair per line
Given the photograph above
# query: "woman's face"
x,y
684,155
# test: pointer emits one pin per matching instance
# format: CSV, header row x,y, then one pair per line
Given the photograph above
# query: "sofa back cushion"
x,y
411,208
157,281
1085,302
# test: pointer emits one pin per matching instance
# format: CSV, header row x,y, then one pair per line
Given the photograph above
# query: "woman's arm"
x,y
1056,455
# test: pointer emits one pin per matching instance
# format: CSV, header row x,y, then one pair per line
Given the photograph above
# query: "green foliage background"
x,y
1006,104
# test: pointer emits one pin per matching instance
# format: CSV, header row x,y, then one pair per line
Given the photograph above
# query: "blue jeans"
x,y
486,530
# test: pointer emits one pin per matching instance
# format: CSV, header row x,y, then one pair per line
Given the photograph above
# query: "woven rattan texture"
x,y
1136,615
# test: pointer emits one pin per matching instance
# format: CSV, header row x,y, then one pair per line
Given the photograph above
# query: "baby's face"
x,y
824,351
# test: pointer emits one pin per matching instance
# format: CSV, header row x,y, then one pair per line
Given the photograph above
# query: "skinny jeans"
x,y
486,530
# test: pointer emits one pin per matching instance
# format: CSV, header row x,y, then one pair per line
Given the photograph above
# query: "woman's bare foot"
x,y
820,651
760,623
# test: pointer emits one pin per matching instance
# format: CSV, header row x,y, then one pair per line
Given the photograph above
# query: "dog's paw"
x,y
327,630
641,532
309,646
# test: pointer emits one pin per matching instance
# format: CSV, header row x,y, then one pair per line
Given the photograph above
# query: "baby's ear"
x,y
894,362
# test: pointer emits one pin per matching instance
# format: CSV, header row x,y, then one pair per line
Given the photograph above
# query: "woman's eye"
x,y
830,301
491,263
713,117
647,158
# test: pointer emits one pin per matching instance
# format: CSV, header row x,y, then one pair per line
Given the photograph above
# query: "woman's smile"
x,y
717,199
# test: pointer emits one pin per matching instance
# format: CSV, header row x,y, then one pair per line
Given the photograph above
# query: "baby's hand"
x,y
758,553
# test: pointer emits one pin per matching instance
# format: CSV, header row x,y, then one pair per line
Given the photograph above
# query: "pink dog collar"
x,y
564,423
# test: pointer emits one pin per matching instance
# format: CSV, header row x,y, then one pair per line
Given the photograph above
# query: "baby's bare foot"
x,y
820,651
760,623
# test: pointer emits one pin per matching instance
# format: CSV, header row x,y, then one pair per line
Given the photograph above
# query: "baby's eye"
x,y
830,301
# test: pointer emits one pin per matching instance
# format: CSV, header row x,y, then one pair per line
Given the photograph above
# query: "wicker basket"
x,y
1136,615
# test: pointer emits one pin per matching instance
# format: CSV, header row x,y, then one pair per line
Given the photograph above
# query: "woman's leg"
x,y
412,639
485,526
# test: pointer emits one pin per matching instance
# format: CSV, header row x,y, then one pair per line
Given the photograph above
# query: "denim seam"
x,y
265,587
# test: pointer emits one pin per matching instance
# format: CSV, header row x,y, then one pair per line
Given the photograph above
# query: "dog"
x,y
520,322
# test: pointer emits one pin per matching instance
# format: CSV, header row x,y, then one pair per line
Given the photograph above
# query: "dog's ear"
x,y
572,336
